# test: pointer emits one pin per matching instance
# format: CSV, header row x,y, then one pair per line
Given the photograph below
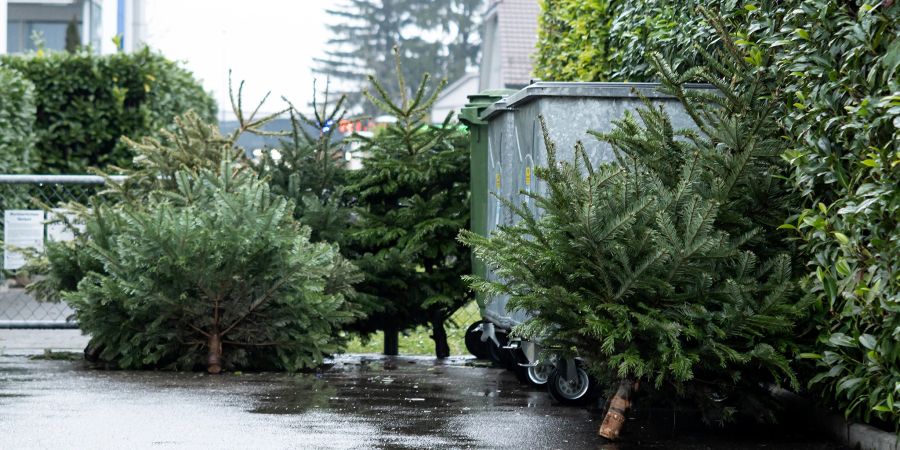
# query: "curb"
x,y
854,435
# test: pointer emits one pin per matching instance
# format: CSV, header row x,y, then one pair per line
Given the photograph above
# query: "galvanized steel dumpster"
x,y
516,144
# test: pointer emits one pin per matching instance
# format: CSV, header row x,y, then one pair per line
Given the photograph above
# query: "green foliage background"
x,y
841,67
85,103
17,117
608,40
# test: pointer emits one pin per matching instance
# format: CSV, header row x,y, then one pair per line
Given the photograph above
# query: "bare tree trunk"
x,y
391,341
615,415
439,335
214,360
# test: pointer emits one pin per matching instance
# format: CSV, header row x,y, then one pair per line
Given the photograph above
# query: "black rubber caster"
x,y
474,345
499,355
537,375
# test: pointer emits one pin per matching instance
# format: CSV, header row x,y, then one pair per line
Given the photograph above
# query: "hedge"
x,y
17,115
608,40
86,103
841,66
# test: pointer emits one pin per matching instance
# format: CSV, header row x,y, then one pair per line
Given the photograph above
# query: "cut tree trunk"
x,y
214,360
439,335
618,407
391,342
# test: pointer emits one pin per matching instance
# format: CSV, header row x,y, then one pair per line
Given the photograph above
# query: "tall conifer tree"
x,y
412,198
439,37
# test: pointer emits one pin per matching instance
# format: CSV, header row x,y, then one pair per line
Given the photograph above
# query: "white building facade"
x,y
98,23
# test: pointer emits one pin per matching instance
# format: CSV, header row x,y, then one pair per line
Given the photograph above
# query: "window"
x,y
13,38
53,34
96,24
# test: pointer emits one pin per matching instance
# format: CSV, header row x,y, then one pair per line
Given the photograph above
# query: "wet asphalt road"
x,y
361,402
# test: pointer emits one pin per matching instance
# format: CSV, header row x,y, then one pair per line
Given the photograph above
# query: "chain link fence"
x,y
22,200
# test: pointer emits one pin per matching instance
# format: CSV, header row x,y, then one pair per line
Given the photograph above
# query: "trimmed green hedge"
x,y
608,40
17,115
86,103
841,66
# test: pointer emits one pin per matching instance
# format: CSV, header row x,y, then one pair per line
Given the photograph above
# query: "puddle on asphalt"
x,y
403,398
376,402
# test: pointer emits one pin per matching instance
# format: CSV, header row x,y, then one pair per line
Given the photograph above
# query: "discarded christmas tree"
x,y
412,200
665,268
311,170
193,262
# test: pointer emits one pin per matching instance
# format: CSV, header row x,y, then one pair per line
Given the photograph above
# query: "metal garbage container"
x,y
481,201
516,146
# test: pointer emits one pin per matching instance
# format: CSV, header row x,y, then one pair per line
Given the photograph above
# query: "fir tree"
x,y
191,261
73,39
412,199
312,172
311,169
666,267
366,31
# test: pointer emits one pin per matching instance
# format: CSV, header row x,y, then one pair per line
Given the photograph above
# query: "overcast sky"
x,y
268,43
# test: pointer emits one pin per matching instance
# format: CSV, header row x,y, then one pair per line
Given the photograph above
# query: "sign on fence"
x,y
58,231
23,228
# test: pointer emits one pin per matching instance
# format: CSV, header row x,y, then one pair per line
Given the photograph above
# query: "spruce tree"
x,y
312,172
667,266
192,261
311,169
411,198
439,37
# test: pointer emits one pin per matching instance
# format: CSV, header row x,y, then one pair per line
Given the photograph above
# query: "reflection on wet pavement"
x,y
359,402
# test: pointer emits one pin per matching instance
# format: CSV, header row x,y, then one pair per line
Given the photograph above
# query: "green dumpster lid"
x,y
477,102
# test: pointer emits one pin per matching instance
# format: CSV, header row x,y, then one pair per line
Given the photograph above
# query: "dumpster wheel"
x,y
533,375
474,345
500,356
580,391
539,374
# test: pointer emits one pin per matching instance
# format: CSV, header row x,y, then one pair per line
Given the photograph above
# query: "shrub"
x,y
608,40
17,116
86,103
200,266
573,40
841,67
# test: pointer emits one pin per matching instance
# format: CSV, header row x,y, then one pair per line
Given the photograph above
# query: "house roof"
x,y
461,82
517,30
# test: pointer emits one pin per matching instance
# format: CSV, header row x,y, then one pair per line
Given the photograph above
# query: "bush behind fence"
x,y
33,192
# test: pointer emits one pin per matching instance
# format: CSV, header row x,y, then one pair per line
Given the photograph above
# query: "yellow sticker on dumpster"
x,y
528,176
498,181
